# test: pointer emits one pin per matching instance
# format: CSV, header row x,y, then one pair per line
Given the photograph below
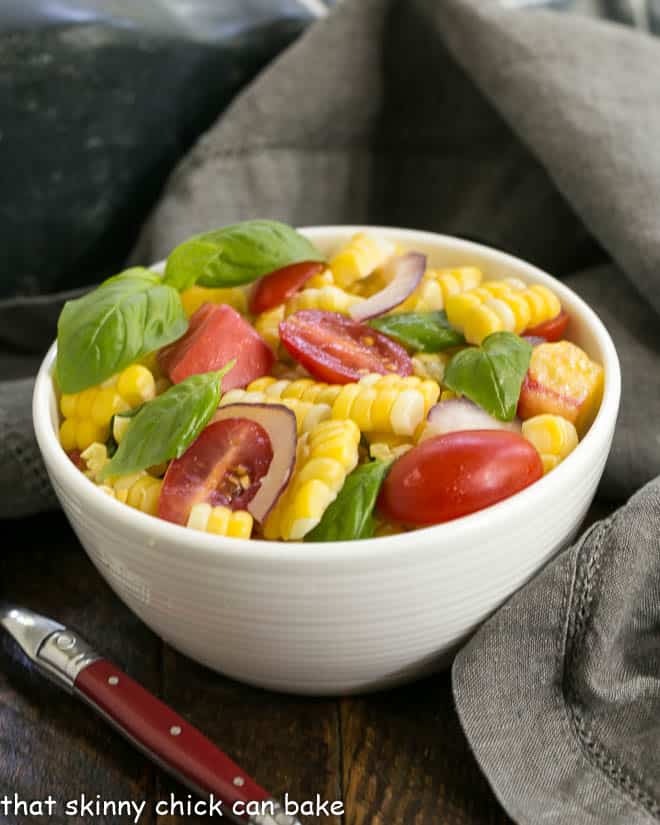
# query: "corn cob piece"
x,y
193,298
328,298
267,325
87,414
430,366
221,521
501,305
553,436
359,258
437,286
138,490
307,414
304,389
562,380
325,456
386,403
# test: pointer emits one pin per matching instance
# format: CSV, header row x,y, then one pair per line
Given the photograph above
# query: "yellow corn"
x,y
382,451
437,286
322,279
325,456
501,305
120,425
553,436
138,490
307,414
221,521
445,395
359,258
193,298
267,325
87,414
327,298
386,403
136,385
95,458
304,389
430,366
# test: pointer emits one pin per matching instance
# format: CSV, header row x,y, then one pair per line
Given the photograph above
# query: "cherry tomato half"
x,y
552,330
223,466
338,350
275,288
457,473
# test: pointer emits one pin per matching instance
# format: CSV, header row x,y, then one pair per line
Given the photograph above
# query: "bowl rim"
x,y
460,529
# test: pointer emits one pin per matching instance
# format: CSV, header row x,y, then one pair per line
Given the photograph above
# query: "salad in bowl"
x,y
257,388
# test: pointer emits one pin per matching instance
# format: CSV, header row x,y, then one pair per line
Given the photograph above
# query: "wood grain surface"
x,y
393,758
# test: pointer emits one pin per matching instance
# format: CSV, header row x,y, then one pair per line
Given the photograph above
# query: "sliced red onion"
x,y
280,425
458,414
403,275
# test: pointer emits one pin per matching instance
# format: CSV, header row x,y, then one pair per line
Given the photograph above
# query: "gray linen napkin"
x,y
535,132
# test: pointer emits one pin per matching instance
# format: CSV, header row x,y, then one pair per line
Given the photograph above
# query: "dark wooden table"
x,y
392,758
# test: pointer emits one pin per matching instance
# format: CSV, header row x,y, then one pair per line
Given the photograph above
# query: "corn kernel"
x,y
136,385
68,436
108,402
85,402
68,404
87,432
240,525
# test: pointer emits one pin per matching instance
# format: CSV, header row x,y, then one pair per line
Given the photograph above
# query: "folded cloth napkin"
x,y
535,132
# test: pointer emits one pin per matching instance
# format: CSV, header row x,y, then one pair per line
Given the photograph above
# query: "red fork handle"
x,y
155,728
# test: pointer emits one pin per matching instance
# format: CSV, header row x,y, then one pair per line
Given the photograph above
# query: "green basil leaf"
x,y
237,254
421,331
350,516
491,375
166,426
123,319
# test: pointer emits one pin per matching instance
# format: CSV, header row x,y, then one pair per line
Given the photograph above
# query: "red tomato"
x,y
216,334
552,330
74,455
275,288
338,350
457,473
211,469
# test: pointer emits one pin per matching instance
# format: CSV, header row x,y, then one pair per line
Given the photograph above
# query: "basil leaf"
x,y
491,375
166,426
350,516
421,331
126,317
237,254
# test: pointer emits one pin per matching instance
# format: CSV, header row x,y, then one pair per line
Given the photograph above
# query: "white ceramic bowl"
x,y
345,616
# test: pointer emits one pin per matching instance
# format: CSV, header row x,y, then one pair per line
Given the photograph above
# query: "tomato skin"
x,y
338,350
203,473
456,474
216,334
280,285
75,457
552,330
